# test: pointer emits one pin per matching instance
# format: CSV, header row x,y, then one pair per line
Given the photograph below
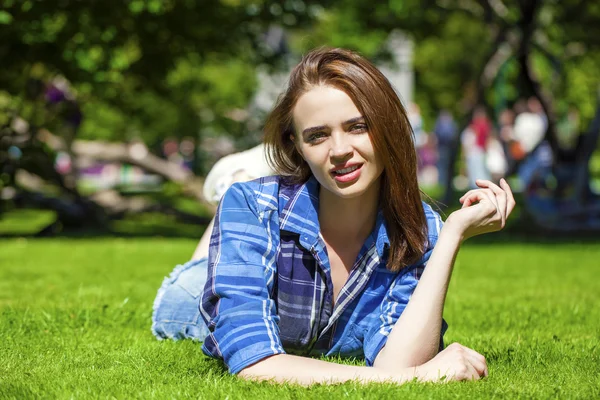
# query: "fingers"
x,y
471,365
499,195
510,199
475,362
479,195
505,199
472,374
509,195
478,361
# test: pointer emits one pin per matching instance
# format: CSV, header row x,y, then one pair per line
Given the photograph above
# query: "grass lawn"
x,y
75,323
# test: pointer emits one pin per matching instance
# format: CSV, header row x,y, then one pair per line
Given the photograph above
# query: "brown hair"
x,y
389,131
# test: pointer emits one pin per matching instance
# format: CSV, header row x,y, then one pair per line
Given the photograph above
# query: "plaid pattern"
x,y
269,288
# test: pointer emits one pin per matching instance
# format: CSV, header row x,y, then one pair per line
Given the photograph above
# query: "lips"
x,y
347,173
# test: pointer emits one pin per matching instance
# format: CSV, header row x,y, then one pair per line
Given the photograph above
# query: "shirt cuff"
x,y
249,356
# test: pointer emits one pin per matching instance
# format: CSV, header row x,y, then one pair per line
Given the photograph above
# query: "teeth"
x,y
346,170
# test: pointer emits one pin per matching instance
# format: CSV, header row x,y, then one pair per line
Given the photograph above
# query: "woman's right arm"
x,y
415,337
306,371
451,364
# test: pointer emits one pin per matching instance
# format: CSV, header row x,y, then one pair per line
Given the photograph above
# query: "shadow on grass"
x,y
163,232
28,224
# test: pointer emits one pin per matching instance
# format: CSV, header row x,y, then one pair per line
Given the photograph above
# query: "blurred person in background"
x,y
529,130
428,156
445,131
495,157
323,258
512,148
474,144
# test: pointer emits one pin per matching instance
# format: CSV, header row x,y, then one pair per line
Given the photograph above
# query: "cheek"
x,y
366,147
315,158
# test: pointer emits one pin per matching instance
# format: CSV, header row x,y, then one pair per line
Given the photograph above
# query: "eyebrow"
x,y
322,127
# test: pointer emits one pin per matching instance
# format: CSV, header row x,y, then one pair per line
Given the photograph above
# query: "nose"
x,y
341,147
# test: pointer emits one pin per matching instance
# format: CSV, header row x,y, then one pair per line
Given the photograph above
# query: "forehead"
x,y
323,105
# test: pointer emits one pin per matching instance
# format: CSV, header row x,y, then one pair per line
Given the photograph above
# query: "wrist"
x,y
454,229
406,374
420,372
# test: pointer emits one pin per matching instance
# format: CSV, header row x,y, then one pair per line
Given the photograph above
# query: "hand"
x,y
455,363
483,210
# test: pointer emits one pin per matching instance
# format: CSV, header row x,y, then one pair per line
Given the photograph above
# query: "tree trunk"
x,y
137,156
35,174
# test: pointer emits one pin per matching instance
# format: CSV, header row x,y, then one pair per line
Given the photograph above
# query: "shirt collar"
x,y
301,215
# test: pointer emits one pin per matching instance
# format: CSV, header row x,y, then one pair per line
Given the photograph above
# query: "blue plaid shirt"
x,y
269,288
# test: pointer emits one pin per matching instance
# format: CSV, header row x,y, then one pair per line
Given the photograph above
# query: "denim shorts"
x,y
176,313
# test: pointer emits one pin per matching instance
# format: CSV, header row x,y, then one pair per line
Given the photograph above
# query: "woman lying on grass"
x,y
324,257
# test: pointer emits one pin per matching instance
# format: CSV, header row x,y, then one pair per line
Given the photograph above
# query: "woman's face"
x,y
333,138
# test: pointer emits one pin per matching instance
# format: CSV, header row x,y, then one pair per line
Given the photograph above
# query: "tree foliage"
x,y
144,68
454,39
118,71
151,69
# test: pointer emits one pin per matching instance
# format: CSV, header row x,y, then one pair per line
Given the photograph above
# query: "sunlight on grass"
x,y
75,322
25,222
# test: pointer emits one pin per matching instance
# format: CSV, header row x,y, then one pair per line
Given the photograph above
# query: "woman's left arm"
x,y
415,338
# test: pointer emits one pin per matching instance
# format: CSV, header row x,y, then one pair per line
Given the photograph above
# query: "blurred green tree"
x,y
156,68
123,71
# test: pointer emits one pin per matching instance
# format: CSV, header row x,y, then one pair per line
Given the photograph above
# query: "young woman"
x,y
324,257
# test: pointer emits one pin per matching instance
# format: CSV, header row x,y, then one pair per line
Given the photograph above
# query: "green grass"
x,y
24,221
75,323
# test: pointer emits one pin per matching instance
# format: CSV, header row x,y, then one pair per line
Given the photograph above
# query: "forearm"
x,y
307,371
415,337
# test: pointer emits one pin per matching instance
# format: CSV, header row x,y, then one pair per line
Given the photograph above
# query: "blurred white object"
x,y
495,158
529,130
236,167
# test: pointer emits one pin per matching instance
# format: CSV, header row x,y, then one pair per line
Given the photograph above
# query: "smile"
x,y
347,175
346,170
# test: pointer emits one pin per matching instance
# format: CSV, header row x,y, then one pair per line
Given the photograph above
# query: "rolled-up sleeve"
x,y
399,293
237,304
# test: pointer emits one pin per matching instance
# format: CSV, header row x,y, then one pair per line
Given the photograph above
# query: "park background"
x,y
112,113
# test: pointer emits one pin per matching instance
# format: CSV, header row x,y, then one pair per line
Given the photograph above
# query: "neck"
x,y
349,220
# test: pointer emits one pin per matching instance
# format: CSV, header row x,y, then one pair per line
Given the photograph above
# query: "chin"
x,y
348,192
353,190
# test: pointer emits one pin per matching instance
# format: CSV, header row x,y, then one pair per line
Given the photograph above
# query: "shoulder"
x,y
434,223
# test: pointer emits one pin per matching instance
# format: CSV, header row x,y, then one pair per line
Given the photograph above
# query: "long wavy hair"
x,y
389,130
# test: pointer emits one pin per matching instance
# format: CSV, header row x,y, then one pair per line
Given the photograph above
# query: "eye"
x,y
358,128
316,137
